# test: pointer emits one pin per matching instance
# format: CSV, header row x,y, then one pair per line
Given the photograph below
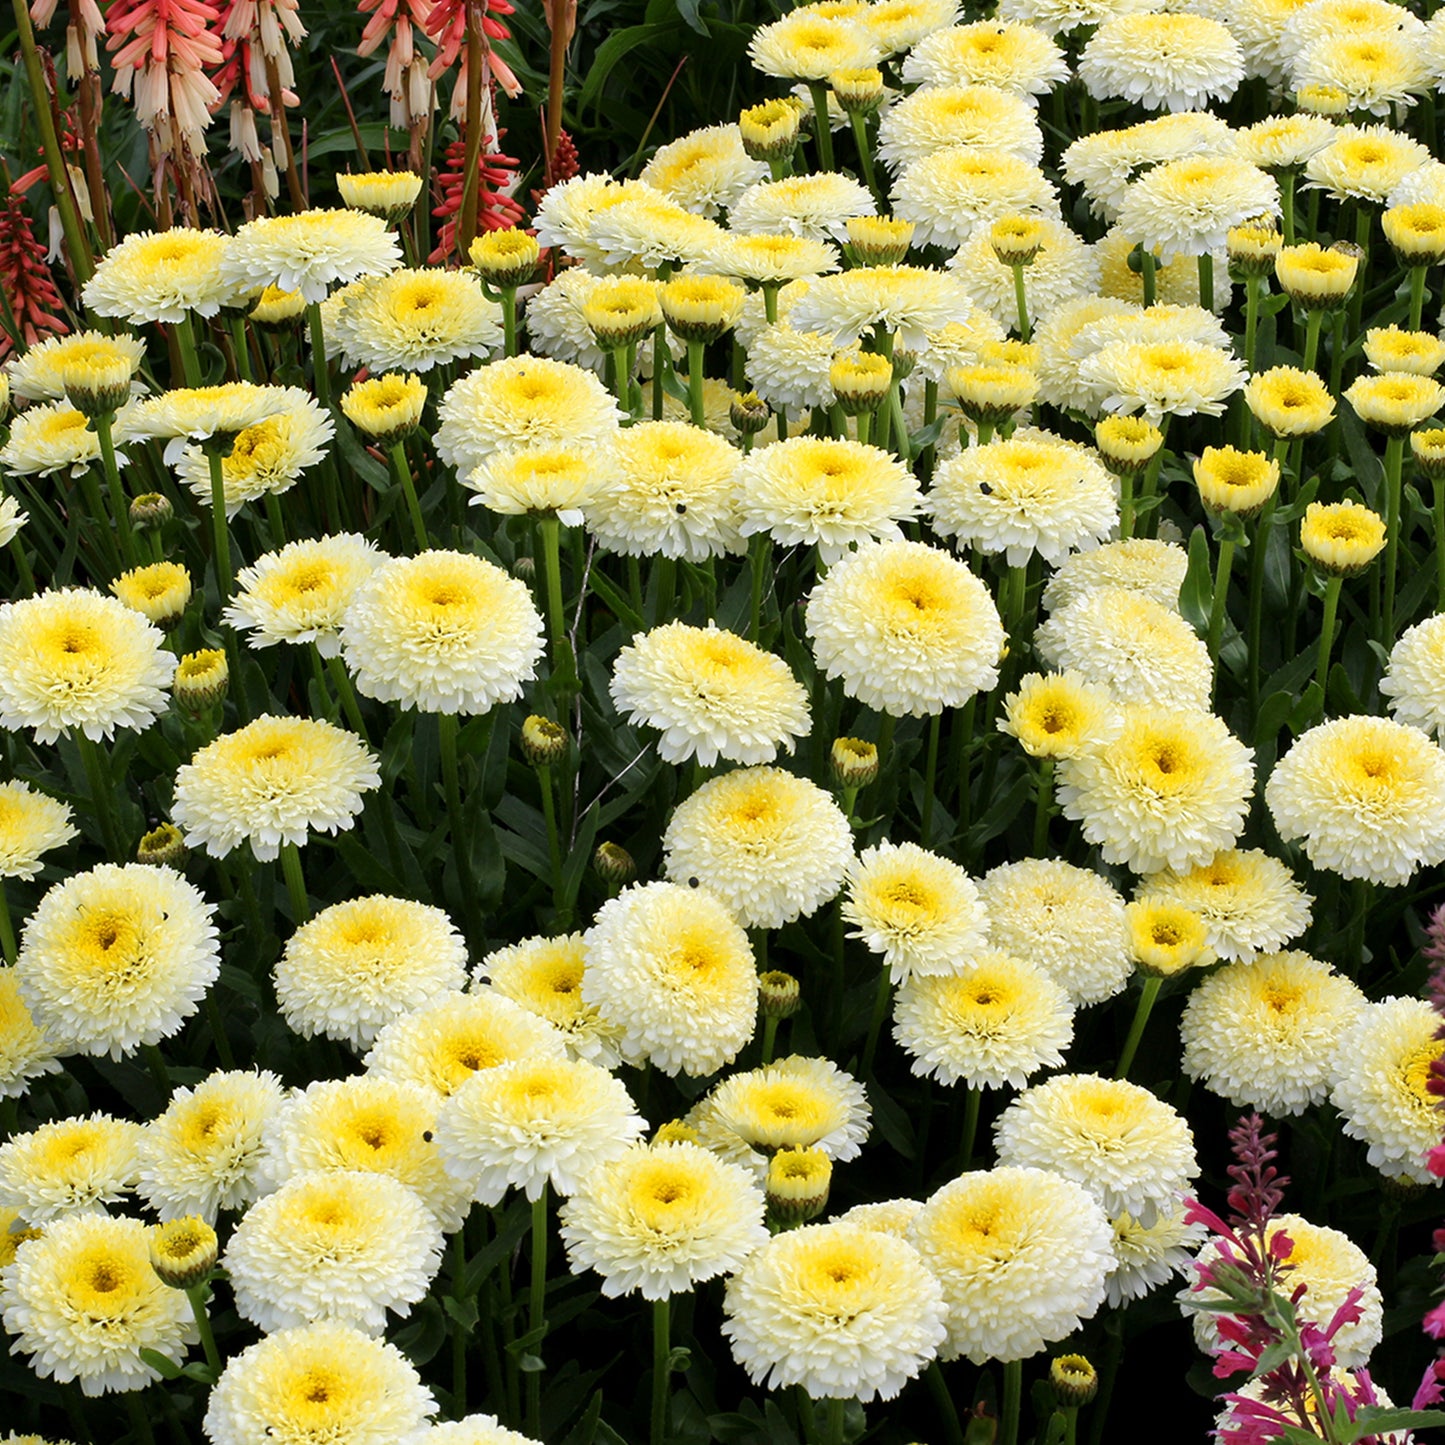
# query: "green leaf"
x,y
612,52
892,1121
1196,596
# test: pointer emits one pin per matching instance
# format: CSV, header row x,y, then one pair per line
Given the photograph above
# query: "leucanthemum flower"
x,y
118,957
1187,207
992,1023
944,115
556,481
1063,269
301,593
203,1153
271,782
1053,715
336,1245
69,1166
1391,348
79,659
705,170
910,630
674,494
1169,792
795,1102
1016,58
651,231
25,1052
164,276
808,46
922,912
1120,1142
1365,163
710,693
82,1301
662,1218
1068,920
569,208
310,252
38,373
899,24
1156,569
442,632
319,1382
671,968
1367,796
1289,402
1162,378
353,968
1414,681
1022,1255
1162,62
845,1312
791,370
198,413
1024,495
31,824
522,401
1146,1256
443,1043
1140,650
1106,162
818,207
773,846
1381,1085
415,320
533,1122
907,302
830,493
557,325
1264,1034
772,260
1328,1264
268,457
953,190
544,976
1250,902
1377,72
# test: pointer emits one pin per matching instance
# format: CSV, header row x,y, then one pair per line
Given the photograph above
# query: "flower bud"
x,y
163,847
183,1251
1322,100
860,380
701,308
1075,1381
622,310
386,408
770,130
797,1185
989,395
277,310
1166,938
1254,246
201,680
159,592
779,994
543,741
1416,233
614,864
1341,538
879,240
505,259
150,511
1016,240
388,194
97,385
1316,278
749,413
1428,448
1230,480
1127,444
676,1131
854,762
859,92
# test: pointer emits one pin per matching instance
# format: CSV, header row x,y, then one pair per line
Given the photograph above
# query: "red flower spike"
x,y
26,281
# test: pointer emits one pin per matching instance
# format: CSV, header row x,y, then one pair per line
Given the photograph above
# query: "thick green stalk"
x,y
822,124
1286,204
349,704
930,777
509,323
1021,304
1314,319
220,530
837,1412
1394,456
880,1012
295,884
1206,280
119,506
1142,1010
1013,1396
197,1296
401,470
1221,595
865,159
537,1321
447,728
1327,633
1417,296
1043,806
97,776
661,1352
549,530
471,167
694,383
1259,554
1146,273
7,927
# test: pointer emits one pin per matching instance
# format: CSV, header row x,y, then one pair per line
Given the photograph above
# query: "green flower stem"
x,y
1021,304
401,470
508,299
1286,180
1327,633
865,160
108,555
822,126
1043,806
537,1322
930,415
863,421
1142,1010
759,554
7,928
972,1104
1206,280
899,427
1259,552
770,301
1146,273
1071,1423
1439,513
930,777
321,377
1221,594
349,704
139,1422
1126,504
218,1033
185,335
1314,319
943,1398
1362,240
1150,484
119,506
1394,455
694,383
661,360
197,1296
661,1351
241,348
837,1414
549,531
1337,352
881,998
770,1040
554,841
1252,285
156,1063
97,777
22,565
984,431
1417,297
295,884
220,530
275,522
447,728
666,590
318,676
1012,1406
